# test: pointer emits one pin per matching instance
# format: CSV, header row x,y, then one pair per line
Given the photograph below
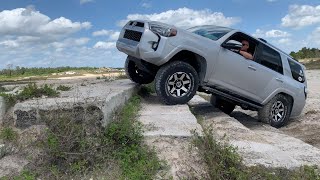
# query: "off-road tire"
x,y
223,105
136,75
169,73
265,113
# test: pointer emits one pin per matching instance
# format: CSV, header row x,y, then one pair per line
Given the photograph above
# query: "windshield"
x,y
211,32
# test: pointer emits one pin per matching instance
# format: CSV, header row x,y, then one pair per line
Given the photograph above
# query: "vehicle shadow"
x,y
250,121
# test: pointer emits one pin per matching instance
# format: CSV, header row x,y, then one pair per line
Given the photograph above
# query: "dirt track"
x,y
306,127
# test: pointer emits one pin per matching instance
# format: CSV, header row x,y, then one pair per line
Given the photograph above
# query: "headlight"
x,y
163,30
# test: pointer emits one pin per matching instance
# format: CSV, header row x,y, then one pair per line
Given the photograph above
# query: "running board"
x,y
233,97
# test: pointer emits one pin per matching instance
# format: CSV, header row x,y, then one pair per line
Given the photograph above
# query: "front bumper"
x,y
142,48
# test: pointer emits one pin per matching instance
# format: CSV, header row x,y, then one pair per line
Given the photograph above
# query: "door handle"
x,y
280,80
252,68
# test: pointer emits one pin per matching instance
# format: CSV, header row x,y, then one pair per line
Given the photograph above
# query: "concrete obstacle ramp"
x,y
168,129
96,100
100,99
265,146
164,120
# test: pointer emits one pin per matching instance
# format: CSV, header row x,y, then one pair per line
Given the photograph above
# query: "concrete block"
x,y
99,100
2,108
258,146
170,121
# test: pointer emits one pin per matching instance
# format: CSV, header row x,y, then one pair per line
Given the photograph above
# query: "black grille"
x,y
132,35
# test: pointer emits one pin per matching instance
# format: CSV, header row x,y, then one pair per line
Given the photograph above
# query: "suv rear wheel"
x,y
135,74
277,111
176,82
223,105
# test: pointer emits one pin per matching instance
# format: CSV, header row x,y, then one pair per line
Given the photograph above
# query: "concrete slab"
x,y
182,158
168,131
101,96
257,146
2,108
164,120
12,164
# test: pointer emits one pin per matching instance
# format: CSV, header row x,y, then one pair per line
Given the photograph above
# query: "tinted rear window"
x,y
271,59
297,71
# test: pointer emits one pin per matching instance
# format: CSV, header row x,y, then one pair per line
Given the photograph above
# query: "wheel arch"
x,y
197,61
290,98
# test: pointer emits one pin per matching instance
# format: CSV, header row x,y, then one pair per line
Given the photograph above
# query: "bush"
x,y
2,89
137,161
63,88
222,160
8,134
29,92
76,144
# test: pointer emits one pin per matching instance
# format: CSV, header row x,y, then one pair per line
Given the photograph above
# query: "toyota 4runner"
x,y
205,58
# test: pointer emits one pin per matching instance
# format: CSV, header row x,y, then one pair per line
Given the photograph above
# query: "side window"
x,y
270,58
238,36
296,70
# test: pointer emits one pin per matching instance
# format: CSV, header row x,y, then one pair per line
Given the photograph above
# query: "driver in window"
x,y
244,50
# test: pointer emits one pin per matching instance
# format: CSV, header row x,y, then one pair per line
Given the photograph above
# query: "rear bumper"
x,y
297,108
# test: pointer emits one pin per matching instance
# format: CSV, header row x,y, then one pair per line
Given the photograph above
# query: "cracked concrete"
x,y
168,129
265,145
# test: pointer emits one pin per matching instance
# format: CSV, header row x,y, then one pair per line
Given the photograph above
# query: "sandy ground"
x,y
85,76
306,127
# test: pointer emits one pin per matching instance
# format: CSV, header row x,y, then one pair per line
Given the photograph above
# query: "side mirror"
x,y
232,44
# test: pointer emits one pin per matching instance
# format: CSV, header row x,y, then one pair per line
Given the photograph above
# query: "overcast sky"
x,y
43,33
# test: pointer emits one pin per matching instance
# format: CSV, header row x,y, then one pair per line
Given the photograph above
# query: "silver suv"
x,y
206,59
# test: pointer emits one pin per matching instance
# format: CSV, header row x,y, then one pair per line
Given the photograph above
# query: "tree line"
x,y
34,71
306,53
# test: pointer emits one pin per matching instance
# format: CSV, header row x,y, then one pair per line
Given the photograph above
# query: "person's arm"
x,y
246,55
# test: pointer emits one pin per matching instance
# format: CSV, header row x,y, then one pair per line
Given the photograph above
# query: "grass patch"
x,y
29,92
122,76
112,77
148,88
2,89
223,162
63,88
8,134
137,161
76,145
24,175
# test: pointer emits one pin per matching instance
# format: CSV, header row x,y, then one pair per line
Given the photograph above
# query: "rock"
x,y
2,150
12,165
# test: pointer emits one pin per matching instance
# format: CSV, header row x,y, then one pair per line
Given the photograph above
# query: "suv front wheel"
x,y
135,74
176,82
277,111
